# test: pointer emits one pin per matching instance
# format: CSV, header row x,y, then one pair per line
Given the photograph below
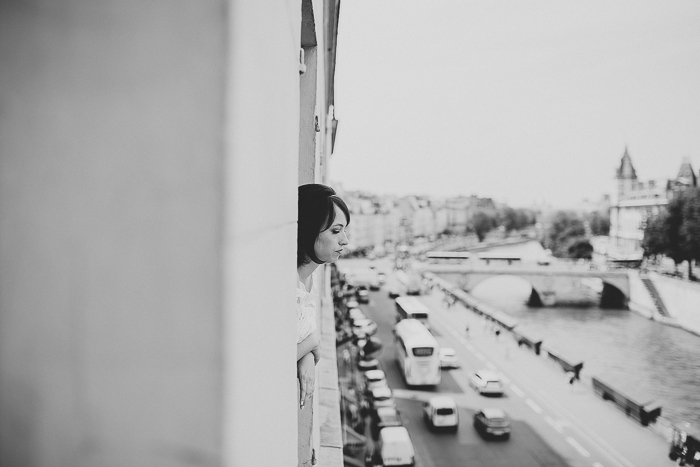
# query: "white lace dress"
x,y
306,311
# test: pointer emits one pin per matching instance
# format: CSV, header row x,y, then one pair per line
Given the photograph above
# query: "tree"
x,y
481,223
599,223
515,219
565,228
655,236
676,232
579,248
690,227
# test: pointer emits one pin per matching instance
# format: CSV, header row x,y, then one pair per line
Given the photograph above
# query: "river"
x,y
616,345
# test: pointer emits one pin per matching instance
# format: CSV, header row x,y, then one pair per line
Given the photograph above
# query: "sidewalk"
x,y
573,411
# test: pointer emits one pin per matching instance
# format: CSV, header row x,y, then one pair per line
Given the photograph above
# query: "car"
x,y
448,358
393,447
364,327
373,378
384,417
380,396
352,304
365,277
382,277
364,364
441,412
394,292
362,294
486,382
356,313
492,422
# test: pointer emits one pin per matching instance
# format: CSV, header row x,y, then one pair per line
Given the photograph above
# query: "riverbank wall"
x,y
640,300
682,300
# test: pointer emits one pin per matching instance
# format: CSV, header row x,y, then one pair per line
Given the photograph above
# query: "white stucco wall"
x,y
148,173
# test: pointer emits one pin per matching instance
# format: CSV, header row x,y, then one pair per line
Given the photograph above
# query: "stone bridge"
x,y
548,282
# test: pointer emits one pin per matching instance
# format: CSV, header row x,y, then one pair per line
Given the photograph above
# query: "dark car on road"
x,y
492,423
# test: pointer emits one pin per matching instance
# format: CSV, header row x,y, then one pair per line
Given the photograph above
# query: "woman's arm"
x,y
309,345
306,372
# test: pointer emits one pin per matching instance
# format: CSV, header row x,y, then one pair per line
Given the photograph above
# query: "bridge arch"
x,y
612,296
537,297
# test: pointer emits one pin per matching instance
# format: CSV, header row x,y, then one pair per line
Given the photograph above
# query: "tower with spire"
x,y
626,178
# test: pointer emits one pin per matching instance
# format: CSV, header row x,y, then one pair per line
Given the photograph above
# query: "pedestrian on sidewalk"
x,y
571,377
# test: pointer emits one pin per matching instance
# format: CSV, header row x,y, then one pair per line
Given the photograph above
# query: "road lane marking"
x,y
504,378
581,450
597,464
611,453
480,356
491,366
533,406
517,390
554,424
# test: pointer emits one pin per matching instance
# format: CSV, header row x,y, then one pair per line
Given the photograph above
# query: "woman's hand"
x,y
306,372
312,344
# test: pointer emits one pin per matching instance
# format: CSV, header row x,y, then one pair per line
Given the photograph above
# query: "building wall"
x,y
149,164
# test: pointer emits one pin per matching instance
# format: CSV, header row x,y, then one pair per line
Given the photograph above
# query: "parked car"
x,y
394,447
394,291
364,327
373,378
492,422
380,396
367,277
448,358
352,304
364,364
382,277
486,382
382,418
355,314
362,294
441,412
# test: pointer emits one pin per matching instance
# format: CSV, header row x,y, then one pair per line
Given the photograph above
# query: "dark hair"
x,y
316,213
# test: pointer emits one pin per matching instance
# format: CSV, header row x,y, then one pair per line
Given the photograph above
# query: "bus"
x,y
417,353
409,283
412,308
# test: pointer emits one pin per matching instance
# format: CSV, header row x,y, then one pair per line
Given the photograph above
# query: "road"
x,y
554,424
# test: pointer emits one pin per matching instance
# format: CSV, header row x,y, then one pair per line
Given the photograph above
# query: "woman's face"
x,y
329,244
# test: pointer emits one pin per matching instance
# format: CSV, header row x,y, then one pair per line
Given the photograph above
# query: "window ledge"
x,y
329,441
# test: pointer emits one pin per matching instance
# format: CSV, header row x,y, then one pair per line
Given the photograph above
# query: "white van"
x,y
441,412
395,447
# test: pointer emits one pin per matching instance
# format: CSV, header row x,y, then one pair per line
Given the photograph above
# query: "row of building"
x,y
380,220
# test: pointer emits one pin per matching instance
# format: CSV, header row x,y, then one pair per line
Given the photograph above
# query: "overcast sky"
x,y
518,100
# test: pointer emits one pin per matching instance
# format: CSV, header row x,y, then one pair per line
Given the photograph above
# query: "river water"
x,y
619,346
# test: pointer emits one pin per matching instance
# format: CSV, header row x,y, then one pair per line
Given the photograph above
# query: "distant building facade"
x,y
389,220
633,202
